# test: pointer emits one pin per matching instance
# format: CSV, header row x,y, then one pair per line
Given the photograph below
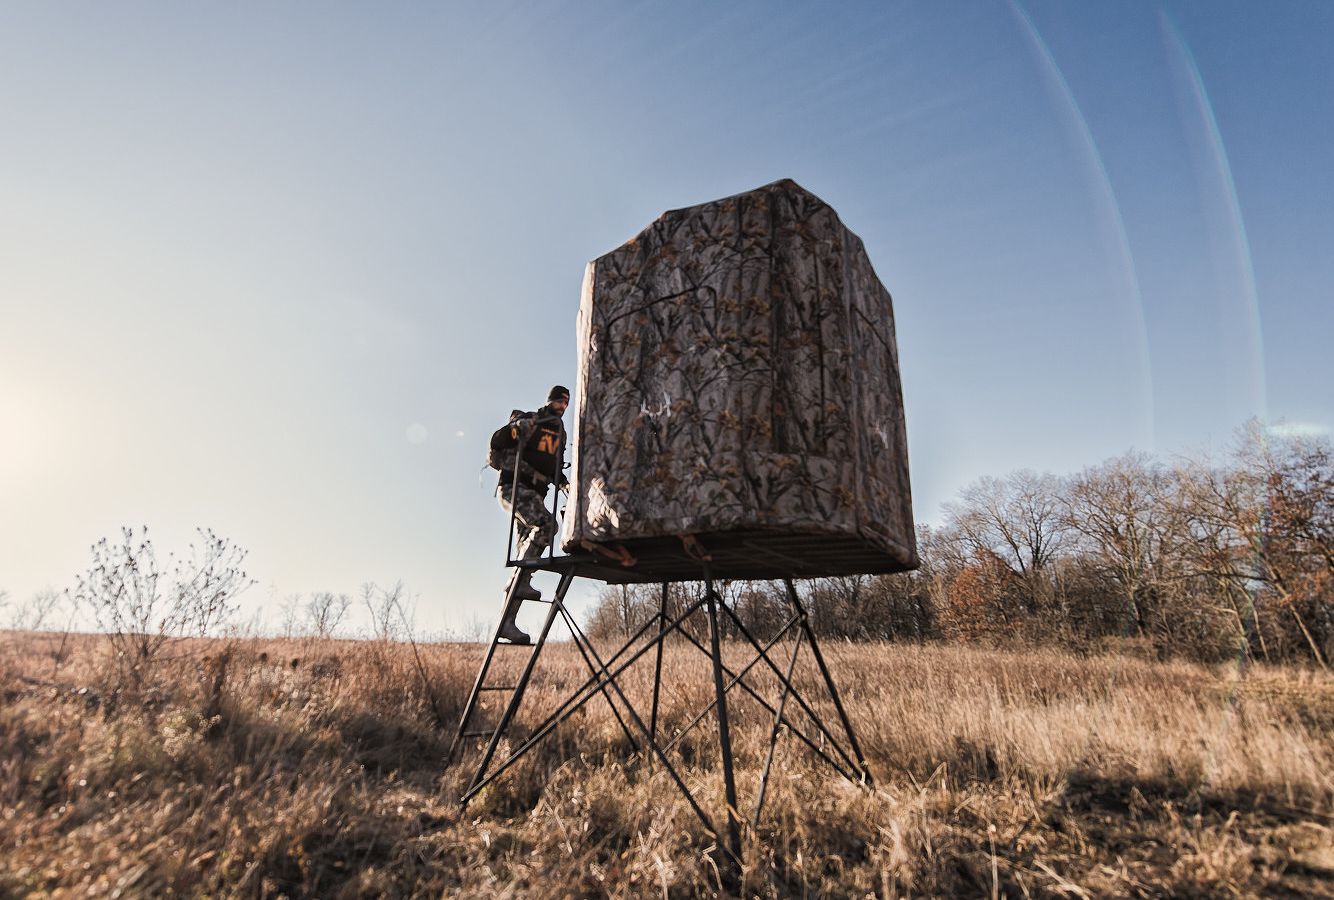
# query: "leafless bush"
x,y
325,611
38,613
391,615
143,606
289,622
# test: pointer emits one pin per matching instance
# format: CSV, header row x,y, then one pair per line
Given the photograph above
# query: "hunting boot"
x,y
519,590
521,586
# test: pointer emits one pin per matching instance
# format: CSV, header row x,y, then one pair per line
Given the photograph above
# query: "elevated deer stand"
x,y
839,748
738,389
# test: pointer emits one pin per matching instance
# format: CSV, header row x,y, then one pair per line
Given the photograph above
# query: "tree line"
x,y
1192,557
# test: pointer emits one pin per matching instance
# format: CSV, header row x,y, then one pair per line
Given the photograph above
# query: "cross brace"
x,y
842,753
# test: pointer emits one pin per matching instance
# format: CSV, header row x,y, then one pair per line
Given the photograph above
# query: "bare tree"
x,y
36,614
291,615
385,608
627,606
1123,511
1018,519
1264,526
325,611
1198,560
838,606
622,609
762,606
142,606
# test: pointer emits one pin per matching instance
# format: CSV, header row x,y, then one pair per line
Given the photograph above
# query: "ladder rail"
x,y
521,685
475,694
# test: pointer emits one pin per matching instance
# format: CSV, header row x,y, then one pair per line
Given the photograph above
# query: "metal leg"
x,y
671,770
773,734
754,695
736,679
586,650
724,733
657,667
471,705
514,490
796,695
829,682
603,679
582,696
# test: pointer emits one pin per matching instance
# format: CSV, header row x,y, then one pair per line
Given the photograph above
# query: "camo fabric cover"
x,y
738,372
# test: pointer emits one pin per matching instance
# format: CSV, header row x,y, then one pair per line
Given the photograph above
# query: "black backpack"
x,y
504,438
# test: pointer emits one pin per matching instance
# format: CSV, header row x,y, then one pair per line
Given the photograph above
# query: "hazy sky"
x,y
278,269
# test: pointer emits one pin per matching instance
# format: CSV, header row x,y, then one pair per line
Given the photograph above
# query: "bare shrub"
x,y
390,619
289,623
143,606
325,611
38,613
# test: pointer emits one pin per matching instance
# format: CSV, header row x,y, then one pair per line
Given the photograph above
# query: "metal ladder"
x,y
516,690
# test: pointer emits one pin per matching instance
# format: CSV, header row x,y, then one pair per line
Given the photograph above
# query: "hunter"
x,y
538,440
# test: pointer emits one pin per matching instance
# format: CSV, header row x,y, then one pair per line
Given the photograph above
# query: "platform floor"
x,y
743,555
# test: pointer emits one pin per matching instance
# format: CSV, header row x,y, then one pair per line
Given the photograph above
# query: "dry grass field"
x,y
305,768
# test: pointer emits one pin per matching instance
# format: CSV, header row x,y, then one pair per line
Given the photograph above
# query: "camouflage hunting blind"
x,y
738,381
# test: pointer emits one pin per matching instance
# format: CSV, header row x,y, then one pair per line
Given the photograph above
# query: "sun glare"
x,y
22,436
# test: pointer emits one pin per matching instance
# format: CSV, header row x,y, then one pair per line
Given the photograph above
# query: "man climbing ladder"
x,y
535,443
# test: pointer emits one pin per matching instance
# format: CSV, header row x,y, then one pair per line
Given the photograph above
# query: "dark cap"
x,y
558,392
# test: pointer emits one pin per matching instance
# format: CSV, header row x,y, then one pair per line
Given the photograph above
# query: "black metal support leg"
x,y
582,696
773,734
657,666
590,656
829,682
736,679
755,695
724,733
473,696
796,695
652,636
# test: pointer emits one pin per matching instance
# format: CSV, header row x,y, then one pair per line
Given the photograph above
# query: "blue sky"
x,y
279,269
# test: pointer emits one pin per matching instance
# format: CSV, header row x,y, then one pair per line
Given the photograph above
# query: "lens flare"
x,y
1108,207
1219,171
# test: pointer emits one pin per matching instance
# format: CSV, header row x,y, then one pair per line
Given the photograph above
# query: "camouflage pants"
x,y
532,519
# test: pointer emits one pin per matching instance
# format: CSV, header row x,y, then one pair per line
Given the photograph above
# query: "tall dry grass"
x,y
315,768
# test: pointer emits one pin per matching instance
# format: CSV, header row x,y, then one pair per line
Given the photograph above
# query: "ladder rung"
x,y
497,687
469,734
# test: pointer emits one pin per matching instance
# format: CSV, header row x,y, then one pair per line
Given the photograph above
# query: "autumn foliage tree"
x,y
1197,558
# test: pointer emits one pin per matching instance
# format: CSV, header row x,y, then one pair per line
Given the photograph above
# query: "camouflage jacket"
x,y
539,439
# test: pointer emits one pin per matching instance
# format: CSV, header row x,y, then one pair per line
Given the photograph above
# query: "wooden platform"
x,y
742,555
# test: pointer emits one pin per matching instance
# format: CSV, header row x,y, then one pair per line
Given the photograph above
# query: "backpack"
x,y
505,438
